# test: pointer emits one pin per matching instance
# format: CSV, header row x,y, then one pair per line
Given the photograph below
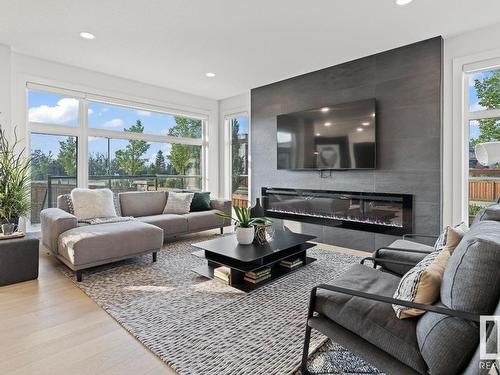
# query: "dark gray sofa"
x,y
356,312
80,246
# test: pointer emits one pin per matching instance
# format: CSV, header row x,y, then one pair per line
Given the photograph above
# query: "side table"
x,y
19,259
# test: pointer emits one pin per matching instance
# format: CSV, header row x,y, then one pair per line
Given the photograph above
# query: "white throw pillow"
x,y
178,203
93,203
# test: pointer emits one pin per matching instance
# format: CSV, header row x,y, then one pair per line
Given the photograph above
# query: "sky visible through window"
x,y
243,121
110,117
59,110
474,105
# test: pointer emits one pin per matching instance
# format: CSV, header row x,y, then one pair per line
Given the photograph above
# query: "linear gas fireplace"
x,y
371,212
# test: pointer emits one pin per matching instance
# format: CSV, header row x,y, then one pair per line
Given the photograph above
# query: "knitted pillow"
x,y
421,284
178,203
93,203
71,209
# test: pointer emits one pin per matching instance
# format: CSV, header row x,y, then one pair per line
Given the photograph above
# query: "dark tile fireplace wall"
x,y
406,82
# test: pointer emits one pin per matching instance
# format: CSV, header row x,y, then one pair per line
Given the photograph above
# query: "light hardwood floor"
x,y
49,326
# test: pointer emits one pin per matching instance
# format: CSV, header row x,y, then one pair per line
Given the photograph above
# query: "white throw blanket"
x,y
107,220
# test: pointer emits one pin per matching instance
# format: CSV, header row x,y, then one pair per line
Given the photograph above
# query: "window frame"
x,y
228,151
82,131
467,117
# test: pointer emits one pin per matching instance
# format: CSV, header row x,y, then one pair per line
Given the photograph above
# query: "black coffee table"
x,y
226,251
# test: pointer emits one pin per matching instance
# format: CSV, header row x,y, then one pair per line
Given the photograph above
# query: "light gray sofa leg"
x,y
79,277
155,254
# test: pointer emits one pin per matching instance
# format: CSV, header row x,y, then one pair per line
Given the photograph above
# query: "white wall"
x,y
5,88
23,69
471,47
228,107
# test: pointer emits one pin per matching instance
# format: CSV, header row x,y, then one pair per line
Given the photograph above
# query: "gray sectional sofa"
x,y
80,246
356,310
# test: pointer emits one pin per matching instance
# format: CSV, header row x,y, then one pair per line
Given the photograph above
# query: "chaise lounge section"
x,y
80,246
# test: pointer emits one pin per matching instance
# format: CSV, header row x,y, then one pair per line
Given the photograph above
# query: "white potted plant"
x,y
245,224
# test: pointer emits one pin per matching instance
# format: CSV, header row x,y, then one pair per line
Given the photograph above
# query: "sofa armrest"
x,y
416,235
397,260
357,293
224,206
54,222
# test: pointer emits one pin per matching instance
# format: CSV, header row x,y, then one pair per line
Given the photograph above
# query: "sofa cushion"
x,y
413,258
446,343
170,223
477,365
96,244
204,220
92,203
200,202
373,321
471,281
143,203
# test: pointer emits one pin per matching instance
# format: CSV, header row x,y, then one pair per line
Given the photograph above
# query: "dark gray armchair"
x,y
403,254
356,312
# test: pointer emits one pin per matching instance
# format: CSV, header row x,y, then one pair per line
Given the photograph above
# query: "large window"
x,y
53,170
119,118
128,165
77,140
238,129
483,121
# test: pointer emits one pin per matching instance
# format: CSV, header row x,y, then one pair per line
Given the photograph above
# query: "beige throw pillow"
x,y
443,238
421,284
93,203
453,237
178,203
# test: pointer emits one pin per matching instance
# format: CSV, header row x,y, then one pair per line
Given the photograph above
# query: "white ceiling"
x,y
248,43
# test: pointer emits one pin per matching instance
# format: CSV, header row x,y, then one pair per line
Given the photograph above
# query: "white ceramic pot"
x,y
245,235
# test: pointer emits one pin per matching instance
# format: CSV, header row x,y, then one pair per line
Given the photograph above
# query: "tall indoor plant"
x,y
245,224
14,181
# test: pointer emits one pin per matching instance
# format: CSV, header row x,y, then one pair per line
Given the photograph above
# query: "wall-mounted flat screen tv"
x,y
340,136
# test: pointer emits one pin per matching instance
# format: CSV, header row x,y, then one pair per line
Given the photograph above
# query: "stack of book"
x,y
258,276
223,274
291,263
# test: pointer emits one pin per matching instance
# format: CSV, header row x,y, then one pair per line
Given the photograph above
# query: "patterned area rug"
x,y
201,326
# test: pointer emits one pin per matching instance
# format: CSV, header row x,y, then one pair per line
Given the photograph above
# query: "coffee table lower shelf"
x,y
277,271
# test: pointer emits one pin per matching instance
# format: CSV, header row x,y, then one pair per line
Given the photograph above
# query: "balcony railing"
x,y
44,193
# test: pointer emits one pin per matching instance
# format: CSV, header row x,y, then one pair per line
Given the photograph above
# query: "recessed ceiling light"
x,y
210,75
316,153
325,109
359,129
328,123
318,134
87,35
365,123
403,2
373,114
